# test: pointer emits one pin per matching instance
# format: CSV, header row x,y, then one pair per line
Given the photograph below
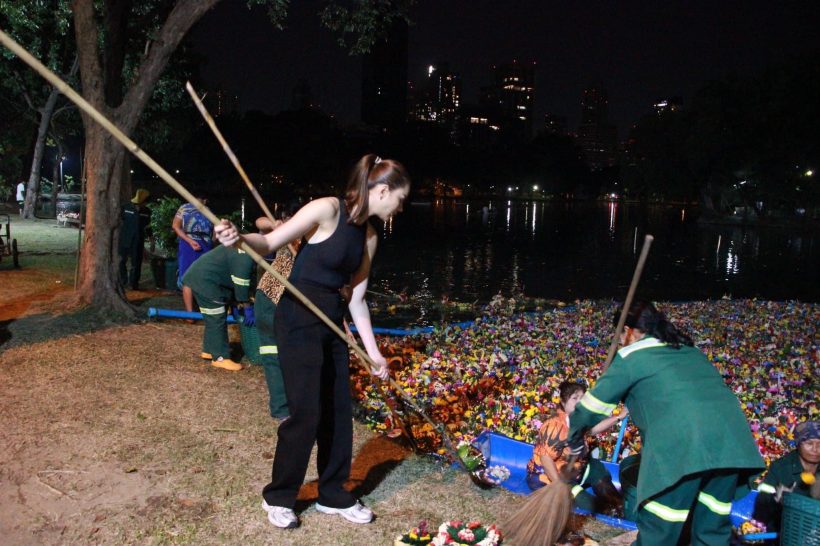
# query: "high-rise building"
x,y
596,136
384,80
438,98
515,93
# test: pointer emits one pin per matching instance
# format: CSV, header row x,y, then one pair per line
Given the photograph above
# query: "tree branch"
x,y
182,17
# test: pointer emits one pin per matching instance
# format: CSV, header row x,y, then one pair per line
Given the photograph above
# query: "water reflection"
x,y
613,208
582,250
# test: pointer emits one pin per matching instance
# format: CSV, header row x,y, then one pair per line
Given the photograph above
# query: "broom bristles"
x,y
543,518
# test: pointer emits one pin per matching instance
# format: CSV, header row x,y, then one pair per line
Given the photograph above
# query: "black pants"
x,y
132,250
315,368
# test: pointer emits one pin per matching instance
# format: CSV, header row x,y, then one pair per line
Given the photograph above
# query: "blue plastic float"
x,y
499,449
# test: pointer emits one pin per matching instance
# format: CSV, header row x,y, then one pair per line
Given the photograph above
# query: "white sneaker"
x,y
358,513
280,516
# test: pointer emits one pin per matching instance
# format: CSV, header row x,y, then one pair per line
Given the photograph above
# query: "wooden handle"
x,y
227,149
647,242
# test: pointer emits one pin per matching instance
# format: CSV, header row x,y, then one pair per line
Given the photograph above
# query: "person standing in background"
x,y
21,196
195,234
136,218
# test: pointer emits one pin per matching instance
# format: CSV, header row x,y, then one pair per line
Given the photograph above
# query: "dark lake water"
x,y
589,250
568,251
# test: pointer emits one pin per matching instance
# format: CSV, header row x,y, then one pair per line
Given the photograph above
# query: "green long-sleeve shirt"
x,y
222,274
688,419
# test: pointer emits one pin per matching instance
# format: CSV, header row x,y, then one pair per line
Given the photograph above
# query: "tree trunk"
x,y
99,275
33,186
104,156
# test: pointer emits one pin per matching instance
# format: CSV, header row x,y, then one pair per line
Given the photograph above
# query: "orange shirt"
x,y
552,432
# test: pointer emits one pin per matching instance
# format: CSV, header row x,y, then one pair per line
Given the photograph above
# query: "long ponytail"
x,y
370,171
643,316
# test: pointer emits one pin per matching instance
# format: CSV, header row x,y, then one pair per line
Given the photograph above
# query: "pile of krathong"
x,y
502,373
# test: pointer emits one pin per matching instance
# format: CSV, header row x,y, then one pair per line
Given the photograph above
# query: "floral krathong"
x,y
418,536
471,533
502,373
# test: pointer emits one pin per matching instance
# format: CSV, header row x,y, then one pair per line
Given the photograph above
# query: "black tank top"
x,y
330,263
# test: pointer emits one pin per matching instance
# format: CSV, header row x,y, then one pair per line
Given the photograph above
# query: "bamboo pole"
x,y
647,242
227,149
132,147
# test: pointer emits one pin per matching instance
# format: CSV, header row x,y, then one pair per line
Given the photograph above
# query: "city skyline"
x,y
640,54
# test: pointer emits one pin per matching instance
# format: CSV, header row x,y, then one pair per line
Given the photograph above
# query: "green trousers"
x,y
594,472
705,497
264,310
215,318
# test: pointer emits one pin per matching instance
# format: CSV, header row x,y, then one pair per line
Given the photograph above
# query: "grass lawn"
x,y
116,433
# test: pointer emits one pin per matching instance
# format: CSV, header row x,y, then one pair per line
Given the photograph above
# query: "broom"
x,y
544,517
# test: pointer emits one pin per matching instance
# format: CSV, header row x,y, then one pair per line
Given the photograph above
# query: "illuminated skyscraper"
x,y
596,136
439,97
384,80
515,93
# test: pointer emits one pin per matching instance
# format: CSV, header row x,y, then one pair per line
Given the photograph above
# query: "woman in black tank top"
x,y
340,248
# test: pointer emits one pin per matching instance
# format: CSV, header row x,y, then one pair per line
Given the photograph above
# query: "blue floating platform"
x,y
499,449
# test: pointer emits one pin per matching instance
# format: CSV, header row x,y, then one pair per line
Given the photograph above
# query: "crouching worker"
x,y
795,472
218,279
550,455
698,453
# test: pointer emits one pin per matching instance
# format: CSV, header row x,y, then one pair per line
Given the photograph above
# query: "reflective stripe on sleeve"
x,y
716,506
665,513
596,406
239,281
766,488
576,489
212,310
269,350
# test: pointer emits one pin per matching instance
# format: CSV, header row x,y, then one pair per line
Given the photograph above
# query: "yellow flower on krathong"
x,y
529,412
489,422
518,437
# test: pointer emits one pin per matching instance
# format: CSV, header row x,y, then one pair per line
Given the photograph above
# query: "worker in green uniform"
x,y
698,453
268,292
795,472
218,279
136,219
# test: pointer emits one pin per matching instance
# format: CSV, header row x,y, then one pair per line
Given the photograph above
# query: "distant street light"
x,y
809,172
535,187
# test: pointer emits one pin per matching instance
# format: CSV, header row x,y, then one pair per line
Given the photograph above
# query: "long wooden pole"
x,y
132,147
636,277
227,149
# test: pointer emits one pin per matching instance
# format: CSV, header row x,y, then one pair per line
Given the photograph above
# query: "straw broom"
x,y
544,517
132,147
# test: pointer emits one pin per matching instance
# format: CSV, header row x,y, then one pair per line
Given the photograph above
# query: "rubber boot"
x,y
226,364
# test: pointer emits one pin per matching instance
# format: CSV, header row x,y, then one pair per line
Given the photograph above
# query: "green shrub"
x,y
162,216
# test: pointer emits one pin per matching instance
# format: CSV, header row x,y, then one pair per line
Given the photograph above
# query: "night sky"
x,y
641,53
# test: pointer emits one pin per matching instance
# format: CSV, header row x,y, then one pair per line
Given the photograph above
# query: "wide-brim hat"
x,y
140,196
